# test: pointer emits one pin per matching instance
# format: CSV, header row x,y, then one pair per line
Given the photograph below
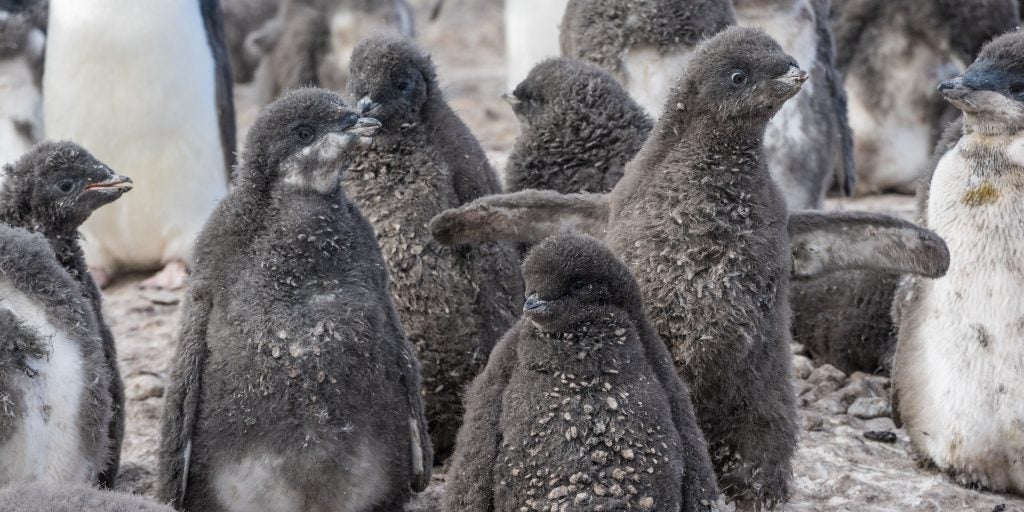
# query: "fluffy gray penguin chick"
x,y
294,386
51,190
579,407
808,142
55,396
454,302
578,129
957,366
645,44
43,497
310,42
891,53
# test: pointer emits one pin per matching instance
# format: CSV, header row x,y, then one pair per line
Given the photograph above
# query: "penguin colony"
x,y
356,319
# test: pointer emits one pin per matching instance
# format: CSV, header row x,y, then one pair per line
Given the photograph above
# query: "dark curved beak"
x,y
364,127
366,105
954,89
535,305
120,184
510,98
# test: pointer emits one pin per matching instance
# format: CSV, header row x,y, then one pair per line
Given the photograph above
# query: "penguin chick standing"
x,y
55,406
52,190
579,407
578,129
310,42
455,303
22,43
72,498
645,44
809,144
956,381
146,87
294,387
891,53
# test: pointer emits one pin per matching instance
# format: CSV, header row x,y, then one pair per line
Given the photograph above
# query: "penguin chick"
x,y
455,303
146,88
809,144
578,129
645,44
957,360
55,397
52,190
579,407
22,45
310,42
40,497
891,53
294,387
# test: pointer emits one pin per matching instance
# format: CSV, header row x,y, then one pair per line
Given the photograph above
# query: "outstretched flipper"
x,y
470,485
824,242
527,216
181,401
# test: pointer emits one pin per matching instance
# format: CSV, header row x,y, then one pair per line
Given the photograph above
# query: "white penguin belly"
x,y
133,82
796,32
970,345
531,35
893,144
46,443
260,482
20,104
650,74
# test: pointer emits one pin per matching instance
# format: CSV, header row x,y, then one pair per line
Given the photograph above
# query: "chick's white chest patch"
x,y
46,443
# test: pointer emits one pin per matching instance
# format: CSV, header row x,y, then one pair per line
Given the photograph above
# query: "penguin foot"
x,y
100,276
172,277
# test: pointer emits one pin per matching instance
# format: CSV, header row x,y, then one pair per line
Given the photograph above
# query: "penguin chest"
x,y
967,375
531,34
46,441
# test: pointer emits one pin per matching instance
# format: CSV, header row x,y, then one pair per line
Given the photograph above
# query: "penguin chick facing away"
x,y
310,42
892,52
715,286
579,407
455,303
294,387
52,190
809,144
22,45
578,129
644,44
956,377
55,400
41,497
157,74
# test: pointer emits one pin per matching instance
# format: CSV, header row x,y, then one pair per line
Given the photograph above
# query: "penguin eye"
x,y
404,85
305,133
738,77
66,186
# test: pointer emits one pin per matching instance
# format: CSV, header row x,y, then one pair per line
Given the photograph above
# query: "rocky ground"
x,y
851,456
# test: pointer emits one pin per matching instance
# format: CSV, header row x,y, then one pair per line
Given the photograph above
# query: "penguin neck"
x,y
64,242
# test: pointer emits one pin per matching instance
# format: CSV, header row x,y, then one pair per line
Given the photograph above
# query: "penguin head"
x,y
991,91
305,140
391,80
741,75
571,279
562,90
57,185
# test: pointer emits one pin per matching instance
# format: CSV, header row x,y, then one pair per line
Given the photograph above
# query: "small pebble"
x,y
880,436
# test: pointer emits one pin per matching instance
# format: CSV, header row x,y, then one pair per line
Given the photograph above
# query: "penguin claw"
x,y
172,277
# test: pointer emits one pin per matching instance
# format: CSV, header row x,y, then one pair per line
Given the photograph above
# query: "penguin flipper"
x,y
17,344
526,216
470,486
181,400
825,242
213,19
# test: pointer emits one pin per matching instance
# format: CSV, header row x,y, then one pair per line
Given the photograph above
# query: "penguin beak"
x,y
119,184
954,89
366,105
364,127
795,77
510,98
534,305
